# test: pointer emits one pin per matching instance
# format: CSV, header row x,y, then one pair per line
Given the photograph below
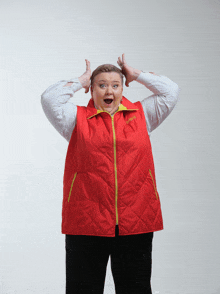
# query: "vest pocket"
x,y
72,186
155,190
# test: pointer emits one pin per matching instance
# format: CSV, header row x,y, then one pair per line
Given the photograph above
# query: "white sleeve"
x,y
60,112
159,105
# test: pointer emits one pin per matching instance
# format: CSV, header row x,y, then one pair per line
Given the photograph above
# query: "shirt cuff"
x,y
143,76
76,85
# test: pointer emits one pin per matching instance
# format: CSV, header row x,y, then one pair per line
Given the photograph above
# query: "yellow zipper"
x,y
153,183
121,107
115,166
72,186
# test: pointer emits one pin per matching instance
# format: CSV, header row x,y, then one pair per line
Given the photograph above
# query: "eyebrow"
x,y
112,81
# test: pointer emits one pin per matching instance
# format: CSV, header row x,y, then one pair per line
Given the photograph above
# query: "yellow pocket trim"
x,y
72,186
153,184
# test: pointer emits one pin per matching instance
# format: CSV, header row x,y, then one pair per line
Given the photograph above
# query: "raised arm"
x,y
55,102
85,78
159,105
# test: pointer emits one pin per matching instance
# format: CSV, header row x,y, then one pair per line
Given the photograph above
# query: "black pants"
x,y
87,258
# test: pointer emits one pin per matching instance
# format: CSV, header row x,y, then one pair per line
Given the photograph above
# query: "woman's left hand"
x,y
130,73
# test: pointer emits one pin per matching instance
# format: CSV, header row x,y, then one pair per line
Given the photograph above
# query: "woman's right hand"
x,y
85,78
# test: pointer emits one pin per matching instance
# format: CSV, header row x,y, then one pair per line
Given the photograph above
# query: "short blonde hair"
x,y
105,68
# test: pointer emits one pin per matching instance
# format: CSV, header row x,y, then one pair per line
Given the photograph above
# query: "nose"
x,y
109,90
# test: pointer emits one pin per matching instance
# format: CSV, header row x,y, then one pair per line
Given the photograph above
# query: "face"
x,y
107,91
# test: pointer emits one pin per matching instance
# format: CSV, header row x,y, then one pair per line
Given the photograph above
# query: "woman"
x,y
111,205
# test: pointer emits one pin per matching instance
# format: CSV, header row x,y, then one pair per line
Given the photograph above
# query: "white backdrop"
x,y
42,42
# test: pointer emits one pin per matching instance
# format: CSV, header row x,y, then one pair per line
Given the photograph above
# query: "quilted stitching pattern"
x,y
92,207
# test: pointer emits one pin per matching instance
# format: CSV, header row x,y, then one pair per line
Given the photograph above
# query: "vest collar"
x,y
126,105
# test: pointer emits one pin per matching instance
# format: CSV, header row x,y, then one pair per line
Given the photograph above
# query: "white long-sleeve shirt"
x,y
62,113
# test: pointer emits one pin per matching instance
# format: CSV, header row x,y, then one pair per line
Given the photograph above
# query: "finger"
x,y
120,61
123,58
87,64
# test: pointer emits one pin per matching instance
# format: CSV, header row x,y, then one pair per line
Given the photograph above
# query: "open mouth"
x,y
108,101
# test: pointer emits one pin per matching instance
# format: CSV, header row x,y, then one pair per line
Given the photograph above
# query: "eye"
x,y
102,85
115,86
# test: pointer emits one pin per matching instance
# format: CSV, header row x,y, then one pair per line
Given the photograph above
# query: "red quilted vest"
x,y
109,175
